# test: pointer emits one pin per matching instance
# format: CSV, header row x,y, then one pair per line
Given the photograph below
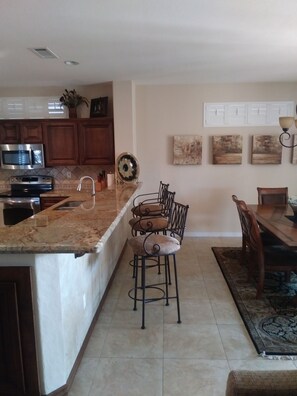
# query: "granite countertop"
x,y
83,229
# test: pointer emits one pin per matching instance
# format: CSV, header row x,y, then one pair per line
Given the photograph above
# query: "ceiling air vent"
x,y
44,53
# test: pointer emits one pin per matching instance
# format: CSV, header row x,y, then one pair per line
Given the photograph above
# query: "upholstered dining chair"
x,y
272,195
261,258
267,238
155,245
150,204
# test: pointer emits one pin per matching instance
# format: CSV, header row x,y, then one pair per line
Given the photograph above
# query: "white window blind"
x,y
31,107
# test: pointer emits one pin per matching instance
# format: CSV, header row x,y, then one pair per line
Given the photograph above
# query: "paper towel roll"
x,y
110,179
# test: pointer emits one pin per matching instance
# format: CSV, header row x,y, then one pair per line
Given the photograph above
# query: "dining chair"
x,y
267,239
261,258
155,245
272,195
150,204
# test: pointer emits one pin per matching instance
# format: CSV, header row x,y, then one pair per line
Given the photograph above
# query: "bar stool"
x,y
156,245
157,221
150,203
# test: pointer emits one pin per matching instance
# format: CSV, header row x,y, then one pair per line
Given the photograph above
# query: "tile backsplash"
x,y
65,177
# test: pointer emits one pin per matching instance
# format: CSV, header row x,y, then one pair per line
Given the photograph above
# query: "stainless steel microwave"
x,y
22,156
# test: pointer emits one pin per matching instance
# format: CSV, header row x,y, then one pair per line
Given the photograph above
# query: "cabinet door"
x,y
18,357
61,143
96,142
31,132
10,132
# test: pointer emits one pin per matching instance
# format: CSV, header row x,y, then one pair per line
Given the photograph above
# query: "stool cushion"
x,y
148,209
155,245
148,223
262,383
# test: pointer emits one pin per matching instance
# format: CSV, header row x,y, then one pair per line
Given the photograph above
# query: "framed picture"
x,y
294,150
227,150
99,107
266,150
187,150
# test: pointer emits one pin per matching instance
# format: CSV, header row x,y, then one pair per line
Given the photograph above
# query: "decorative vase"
x,y
72,112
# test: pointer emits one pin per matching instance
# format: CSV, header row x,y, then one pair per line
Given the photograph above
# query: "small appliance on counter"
x,y
23,199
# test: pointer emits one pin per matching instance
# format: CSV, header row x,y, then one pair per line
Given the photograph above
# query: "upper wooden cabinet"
x,y
82,141
10,132
20,131
96,142
60,142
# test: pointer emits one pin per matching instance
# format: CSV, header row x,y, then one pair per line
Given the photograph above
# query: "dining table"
x,y
279,220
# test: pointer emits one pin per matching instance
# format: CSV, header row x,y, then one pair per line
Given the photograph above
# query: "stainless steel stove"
x,y
23,198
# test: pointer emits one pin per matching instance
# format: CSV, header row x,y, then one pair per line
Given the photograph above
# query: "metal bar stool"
x,y
156,221
154,245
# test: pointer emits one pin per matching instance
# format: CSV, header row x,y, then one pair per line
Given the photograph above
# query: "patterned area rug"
x,y
272,320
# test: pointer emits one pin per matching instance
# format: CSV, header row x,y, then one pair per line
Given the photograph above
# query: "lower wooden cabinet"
x,y
47,202
18,358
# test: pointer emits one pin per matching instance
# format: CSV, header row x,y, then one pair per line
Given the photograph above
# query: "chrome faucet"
x,y
93,184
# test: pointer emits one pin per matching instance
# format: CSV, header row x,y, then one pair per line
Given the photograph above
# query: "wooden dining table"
x,y
279,221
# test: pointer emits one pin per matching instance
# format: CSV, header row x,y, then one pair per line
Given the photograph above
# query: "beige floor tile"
x,y
128,377
226,312
236,341
195,377
122,359
192,341
84,377
192,312
135,342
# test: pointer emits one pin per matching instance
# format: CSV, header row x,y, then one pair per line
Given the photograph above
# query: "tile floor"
x,y
170,359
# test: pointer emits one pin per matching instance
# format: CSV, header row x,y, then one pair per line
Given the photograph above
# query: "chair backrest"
x,y
252,231
162,191
240,205
177,222
167,201
272,195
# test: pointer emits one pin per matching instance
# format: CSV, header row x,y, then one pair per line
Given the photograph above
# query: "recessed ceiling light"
x,y
71,63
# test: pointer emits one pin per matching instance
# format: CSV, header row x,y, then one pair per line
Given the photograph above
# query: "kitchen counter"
x,y
79,230
67,286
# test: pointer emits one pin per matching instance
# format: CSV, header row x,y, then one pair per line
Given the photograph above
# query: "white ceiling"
x,y
148,41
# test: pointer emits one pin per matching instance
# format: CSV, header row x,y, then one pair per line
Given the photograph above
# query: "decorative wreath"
x,y
127,167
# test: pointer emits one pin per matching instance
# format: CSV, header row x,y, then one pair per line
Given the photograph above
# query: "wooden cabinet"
x,y
47,202
82,141
61,143
20,131
96,142
10,132
79,142
18,357
31,132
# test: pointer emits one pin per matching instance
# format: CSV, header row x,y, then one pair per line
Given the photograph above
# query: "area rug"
x,y
272,320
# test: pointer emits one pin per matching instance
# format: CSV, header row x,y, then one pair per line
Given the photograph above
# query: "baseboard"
x,y
212,234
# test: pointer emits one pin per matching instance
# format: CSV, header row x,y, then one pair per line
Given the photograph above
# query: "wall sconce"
x,y
286,123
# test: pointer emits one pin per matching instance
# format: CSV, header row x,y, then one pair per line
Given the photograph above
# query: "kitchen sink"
x,y
69,205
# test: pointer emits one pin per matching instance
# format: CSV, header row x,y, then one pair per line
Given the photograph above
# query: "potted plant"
x,y
72,100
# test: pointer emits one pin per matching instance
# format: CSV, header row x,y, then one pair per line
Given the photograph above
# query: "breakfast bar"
x,y
70,252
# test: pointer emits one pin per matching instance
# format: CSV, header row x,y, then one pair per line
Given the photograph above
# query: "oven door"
x,y
14,209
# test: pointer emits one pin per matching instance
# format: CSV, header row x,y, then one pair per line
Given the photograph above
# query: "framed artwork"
x,y
99,107
187,150
294,151
266,150
227,150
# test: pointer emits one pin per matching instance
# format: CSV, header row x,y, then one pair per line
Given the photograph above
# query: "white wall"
x,y
165,111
